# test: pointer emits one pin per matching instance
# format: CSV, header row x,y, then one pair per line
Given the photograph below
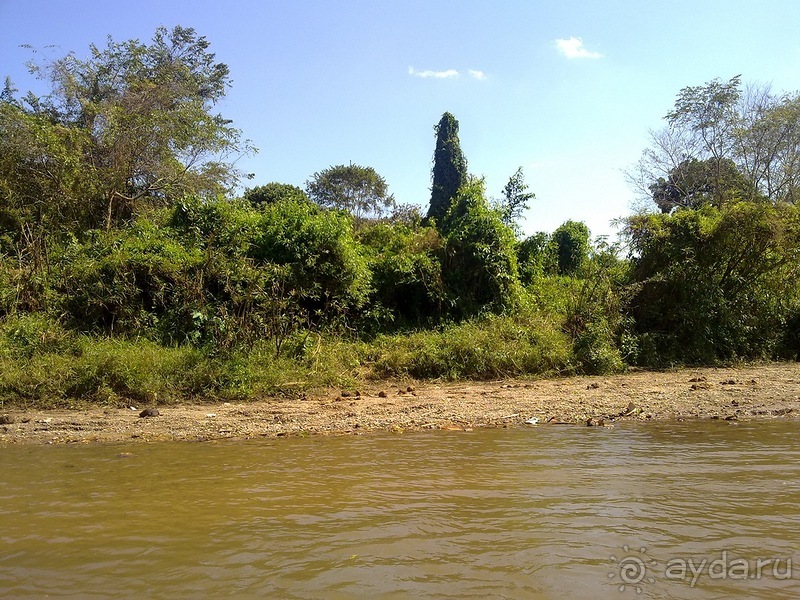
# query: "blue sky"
x,y
568,90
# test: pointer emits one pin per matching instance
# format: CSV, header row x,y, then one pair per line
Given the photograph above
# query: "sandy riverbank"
x,y
749,392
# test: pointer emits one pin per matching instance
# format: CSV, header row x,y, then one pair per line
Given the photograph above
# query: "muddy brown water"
x,y
657,510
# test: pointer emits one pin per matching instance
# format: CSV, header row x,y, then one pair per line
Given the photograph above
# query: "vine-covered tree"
x,y
570,246
359,190
449,167
480,262
131,124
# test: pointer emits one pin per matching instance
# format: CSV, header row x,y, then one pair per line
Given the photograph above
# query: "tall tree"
x,y
131,124
449,167
767,144
700,126
720,129
354,188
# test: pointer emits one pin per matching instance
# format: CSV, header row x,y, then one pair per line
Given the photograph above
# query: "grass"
x,y
45,365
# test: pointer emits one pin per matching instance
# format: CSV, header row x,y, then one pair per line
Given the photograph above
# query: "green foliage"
x,y
480,262
596,352
694,183
44,182
325,265
127,282
117,372
533,257
496,346
217,273
27,335
128,127
449,167
515,200
569,245
406,272
359,190
707,110
272,193
594,313
714,284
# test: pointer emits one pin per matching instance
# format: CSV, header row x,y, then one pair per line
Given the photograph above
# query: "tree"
x,y
719,129
694,183
271,193
480,262
700,126
449,167
707,114
130,125
714,284
515,199
354,188
570,245
767,144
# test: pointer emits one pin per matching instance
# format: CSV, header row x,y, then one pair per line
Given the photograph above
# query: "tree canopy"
x,y
728,141
132,124
359,190
273,192
694,183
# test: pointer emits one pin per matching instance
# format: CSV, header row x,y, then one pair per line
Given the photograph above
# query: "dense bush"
x,y
714,284
407,284
128,281
569,247
480,261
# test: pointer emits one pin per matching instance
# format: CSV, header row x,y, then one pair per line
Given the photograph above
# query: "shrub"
x,y
714,284
479,263
406,272
497,346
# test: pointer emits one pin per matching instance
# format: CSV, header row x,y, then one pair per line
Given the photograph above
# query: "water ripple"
x,y
534,513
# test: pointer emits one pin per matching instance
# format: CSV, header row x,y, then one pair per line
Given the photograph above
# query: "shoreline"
x,y
749,392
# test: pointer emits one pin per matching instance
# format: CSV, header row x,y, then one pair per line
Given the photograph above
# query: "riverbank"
x,y
748,392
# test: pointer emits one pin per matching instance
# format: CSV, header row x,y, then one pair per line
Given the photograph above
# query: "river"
x,y
659,510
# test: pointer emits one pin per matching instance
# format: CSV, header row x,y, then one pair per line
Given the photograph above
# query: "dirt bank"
x,y
750,392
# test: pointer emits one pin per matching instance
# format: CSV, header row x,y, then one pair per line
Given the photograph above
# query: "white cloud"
x,y
448,74
479,75
573,48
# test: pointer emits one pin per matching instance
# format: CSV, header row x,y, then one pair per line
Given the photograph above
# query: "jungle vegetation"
x,y
130,269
